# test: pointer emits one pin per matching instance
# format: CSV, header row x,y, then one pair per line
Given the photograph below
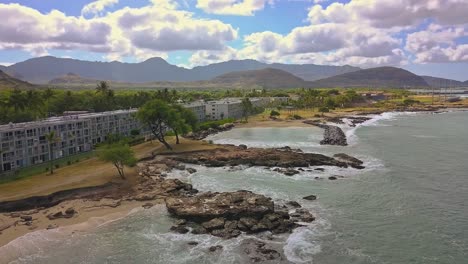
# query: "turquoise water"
x,y
410,205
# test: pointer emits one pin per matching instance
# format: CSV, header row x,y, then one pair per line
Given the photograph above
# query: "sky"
x,y
427,37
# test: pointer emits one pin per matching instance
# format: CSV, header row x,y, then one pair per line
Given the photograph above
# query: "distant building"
x,y
198,108
25,144
226,108
374,96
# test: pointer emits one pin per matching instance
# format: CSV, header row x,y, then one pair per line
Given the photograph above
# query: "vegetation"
x,y
274,113
52,139
214,124
247,108
120,155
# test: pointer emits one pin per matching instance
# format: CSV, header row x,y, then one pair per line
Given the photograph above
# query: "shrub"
x,y
274,113
57,166
297,117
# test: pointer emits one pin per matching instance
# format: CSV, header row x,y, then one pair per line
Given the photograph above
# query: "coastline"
x,y
92,214
106,209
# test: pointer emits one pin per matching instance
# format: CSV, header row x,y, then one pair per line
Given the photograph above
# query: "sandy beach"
x,y
106,209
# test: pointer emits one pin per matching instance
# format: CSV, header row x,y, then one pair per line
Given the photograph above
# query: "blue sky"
x,y
426,37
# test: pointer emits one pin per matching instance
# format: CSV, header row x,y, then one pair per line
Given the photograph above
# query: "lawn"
x,y
85,173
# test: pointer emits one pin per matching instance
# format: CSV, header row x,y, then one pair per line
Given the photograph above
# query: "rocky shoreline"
x,y
231,156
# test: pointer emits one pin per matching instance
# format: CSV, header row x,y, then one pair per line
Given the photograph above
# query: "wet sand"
x,y
101,211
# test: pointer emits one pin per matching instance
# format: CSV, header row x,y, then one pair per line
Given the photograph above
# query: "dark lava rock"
x,y
191,170
352,161
294,204
228,205
319,169
310,198
332,135
332,178
228,214
192,243
179,229
26,218
215,248
242,146
258,251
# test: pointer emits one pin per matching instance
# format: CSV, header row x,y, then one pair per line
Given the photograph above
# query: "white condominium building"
x,y
25,144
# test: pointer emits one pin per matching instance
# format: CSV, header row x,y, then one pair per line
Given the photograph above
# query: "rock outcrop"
x,y
228,155
332,135
229,214
351,161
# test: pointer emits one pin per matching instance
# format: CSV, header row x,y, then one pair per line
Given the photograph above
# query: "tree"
x,y
52,139
324,109
183,121
274,113
247,108
103,88
17,100
157,115
47,95
120,155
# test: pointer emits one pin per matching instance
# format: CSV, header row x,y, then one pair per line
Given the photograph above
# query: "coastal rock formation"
x,y
259,252
332,135
351,161
211,131
228,214
233,156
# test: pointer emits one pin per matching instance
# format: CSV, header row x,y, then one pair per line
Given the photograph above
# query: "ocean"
x,y
410,204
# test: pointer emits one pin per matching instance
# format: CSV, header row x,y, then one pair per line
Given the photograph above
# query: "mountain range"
x,y
157,73
43,69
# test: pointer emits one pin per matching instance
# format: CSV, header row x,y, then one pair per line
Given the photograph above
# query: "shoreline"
x,y
88,210
94,214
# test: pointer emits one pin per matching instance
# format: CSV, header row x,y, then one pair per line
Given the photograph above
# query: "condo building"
x,y
25,144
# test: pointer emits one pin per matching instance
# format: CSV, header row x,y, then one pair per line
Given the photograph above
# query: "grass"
x,y
45,167
89,172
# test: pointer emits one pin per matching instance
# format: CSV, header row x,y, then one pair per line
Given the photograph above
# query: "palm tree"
x,y
47,95
51,140
102,88
17,100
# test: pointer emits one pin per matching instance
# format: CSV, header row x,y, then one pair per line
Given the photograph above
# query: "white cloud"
x,y
395,13
97,7
232,7
6,63
151,30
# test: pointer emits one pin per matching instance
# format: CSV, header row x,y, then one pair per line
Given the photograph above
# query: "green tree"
x,y
47,95
157,115
247,108
183,121
323,110
17,100
120,155
52,139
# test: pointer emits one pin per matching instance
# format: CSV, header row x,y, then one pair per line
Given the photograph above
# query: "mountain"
x,y
375,77
265,78
441,82
8,82
44,69
71,78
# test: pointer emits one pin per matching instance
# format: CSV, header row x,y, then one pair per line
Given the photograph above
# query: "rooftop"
x,y
61,119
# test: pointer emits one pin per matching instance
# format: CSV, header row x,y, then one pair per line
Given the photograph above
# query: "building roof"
x,y
61,120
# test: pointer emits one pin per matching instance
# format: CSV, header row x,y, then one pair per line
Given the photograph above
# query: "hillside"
x,y
71,78
441,82
265,78
390,77
44,69
8,82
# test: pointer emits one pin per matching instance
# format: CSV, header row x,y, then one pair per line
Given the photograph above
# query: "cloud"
x,y
389,14
97,7
155,29
232,7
